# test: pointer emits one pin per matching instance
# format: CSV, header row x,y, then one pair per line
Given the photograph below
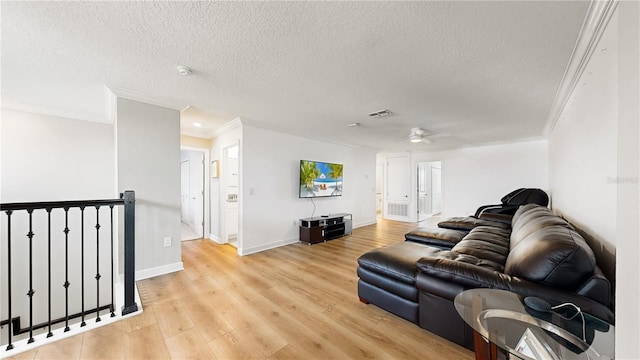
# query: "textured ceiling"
x,y
470,72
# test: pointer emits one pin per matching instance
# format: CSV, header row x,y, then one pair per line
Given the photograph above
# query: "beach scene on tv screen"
x,y
320,179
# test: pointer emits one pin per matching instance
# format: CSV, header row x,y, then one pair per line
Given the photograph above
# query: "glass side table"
x,y
505,328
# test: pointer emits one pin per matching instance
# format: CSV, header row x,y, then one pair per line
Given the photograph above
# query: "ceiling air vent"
x,y
380,113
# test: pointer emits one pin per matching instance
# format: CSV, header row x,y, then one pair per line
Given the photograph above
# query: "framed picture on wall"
x,y
214,169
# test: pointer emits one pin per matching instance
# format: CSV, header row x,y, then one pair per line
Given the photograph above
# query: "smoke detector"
x,y
184,71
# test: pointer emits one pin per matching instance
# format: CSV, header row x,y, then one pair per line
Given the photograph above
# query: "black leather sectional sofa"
x,y
535,254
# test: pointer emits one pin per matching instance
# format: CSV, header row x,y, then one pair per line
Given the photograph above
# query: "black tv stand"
x,y
326,227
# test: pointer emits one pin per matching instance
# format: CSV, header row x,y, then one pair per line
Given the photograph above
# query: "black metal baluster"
x,y
9,212
128,200
31,292
66,269
83,323
98,263
130,305
50,334
112,273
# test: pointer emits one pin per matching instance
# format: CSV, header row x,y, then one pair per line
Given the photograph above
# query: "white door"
x,y
398,187
196,192
379,177
184,192
436,190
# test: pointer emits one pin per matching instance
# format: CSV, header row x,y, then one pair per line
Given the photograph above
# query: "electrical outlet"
x,y
167,241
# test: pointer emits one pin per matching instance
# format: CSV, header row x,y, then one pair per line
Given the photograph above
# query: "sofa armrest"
x,y
469,276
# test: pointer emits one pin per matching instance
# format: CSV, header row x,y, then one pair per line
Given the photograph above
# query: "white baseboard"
x,y
159,270
365,223
216,239
399,218
269,246
289,241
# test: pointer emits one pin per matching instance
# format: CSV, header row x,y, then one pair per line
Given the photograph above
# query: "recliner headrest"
x,y
526,196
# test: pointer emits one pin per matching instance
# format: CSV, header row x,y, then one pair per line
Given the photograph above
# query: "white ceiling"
x,y
472,73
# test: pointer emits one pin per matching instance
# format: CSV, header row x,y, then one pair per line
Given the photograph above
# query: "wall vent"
x,y
398,209
380,113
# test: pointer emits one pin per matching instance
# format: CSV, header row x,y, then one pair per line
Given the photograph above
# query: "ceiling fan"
x,y
419,135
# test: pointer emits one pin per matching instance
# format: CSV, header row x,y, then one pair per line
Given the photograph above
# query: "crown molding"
x,y
57,112
235,123
145,98
593,27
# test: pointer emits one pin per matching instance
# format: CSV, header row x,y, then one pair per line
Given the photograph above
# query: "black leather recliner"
x,y
513,200
537,254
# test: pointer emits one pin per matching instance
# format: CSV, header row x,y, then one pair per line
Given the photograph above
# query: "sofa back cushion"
x,y
530,218
546,249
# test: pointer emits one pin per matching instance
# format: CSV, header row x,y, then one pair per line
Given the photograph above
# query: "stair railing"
x,y
127,200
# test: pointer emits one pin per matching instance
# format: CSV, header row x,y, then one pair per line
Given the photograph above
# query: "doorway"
x,y
379,198
192,170
231,175
429,189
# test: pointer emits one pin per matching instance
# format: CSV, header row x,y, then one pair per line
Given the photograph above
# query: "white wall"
x,y
594,161
628,236
49,158
478,176
583,150
190,142
148,162
270,182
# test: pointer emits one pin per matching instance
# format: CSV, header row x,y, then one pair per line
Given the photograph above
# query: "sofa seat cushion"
x,y
396,261
468,222
434,236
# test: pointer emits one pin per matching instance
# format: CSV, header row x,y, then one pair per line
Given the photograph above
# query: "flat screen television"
x,y
320,179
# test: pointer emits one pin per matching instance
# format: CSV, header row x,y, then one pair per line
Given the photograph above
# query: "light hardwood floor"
x,y
293,302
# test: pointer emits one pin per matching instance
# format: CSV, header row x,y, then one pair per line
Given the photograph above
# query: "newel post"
x,y
129,252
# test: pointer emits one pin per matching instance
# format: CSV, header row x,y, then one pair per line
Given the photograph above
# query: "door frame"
x,y
206,185
432,192
185,210
415,186
421,169
224,195
401,204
